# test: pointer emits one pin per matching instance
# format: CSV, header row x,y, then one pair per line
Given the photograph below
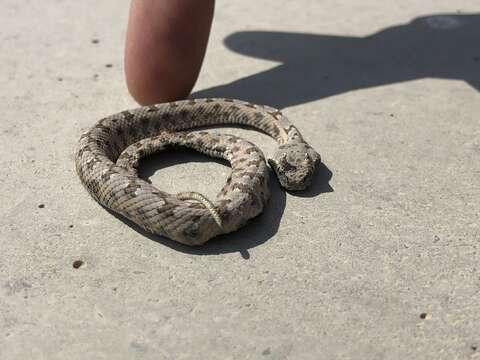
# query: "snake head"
x,y
294,165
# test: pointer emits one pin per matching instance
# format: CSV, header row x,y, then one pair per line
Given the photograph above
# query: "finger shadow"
x,y
316,66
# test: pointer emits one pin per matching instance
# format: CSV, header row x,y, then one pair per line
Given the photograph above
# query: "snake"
x,y
108,156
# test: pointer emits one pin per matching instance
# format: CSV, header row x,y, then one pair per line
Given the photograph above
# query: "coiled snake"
x,y
108,155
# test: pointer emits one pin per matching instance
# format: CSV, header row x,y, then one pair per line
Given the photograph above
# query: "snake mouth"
x,y
301,184
292,178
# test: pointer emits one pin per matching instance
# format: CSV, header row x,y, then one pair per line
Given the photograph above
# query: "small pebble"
x,y
41,206
424,316
95,41
77,264
108,65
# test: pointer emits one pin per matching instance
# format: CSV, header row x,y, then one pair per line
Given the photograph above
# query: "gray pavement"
x,y
379,260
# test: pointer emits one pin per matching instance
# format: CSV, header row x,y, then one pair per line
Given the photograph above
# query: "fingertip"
x,y
148,93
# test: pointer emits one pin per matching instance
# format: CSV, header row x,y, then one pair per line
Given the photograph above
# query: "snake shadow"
x,y
256,232
316,66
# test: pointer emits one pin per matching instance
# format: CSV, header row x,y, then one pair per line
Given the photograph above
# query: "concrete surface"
x,y
379,260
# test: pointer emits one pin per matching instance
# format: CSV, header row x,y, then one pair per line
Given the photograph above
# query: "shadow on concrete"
x,y
314,66
256,232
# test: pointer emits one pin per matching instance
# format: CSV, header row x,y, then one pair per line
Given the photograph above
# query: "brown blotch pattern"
x,y
127,136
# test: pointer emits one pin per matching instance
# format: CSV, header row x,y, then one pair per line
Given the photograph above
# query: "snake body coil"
x,y
107,158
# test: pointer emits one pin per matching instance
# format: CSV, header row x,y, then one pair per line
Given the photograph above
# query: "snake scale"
x,y
108,156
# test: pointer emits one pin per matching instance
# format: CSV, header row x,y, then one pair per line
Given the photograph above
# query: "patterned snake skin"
x,y
108,155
